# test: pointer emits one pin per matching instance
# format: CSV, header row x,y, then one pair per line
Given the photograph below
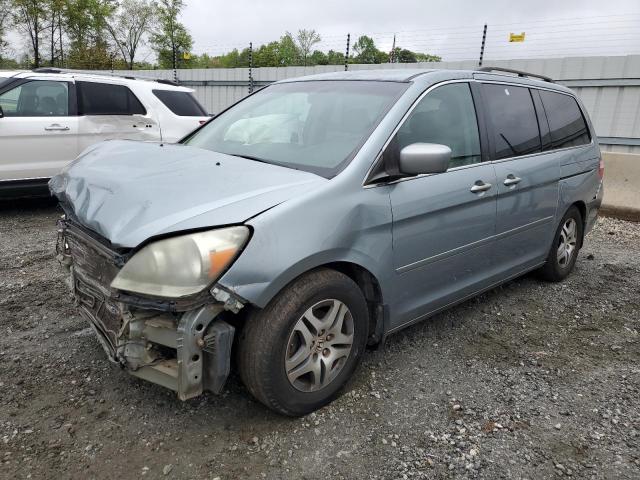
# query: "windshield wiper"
x,y
250,157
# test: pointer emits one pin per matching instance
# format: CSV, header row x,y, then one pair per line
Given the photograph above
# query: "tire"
x,y
275,338
557,266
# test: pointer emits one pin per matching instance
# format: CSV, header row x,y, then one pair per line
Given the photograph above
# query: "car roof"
x,y
427,76
55,74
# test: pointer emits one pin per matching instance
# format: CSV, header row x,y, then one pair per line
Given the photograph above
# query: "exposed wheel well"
x,y
372,293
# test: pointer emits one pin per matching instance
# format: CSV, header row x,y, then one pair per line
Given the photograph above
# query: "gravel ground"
x,y
531,380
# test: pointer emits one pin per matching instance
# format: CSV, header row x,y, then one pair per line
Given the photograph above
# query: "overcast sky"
x,y
451,28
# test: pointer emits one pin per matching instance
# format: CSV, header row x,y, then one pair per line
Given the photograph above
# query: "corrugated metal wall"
x,y
608,86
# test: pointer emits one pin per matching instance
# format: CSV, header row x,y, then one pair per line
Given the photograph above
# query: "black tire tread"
x,y
253,355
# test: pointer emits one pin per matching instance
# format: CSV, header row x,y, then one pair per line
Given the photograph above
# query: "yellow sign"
x,y
516,37
186,56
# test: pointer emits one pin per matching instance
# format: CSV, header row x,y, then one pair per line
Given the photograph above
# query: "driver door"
x,y
38,131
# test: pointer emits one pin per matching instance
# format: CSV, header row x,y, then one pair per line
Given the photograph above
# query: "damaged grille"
x,y
93,267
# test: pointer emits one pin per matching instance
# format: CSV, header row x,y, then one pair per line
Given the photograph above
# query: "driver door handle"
x,y
511,180
56,127
480,186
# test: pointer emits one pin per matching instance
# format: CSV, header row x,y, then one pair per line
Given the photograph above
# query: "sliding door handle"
x,y
480,186
511,180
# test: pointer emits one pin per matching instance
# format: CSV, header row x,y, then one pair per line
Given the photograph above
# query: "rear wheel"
x,y
297,353
564,249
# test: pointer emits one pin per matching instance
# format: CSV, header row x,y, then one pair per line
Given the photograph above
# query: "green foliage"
x,y
366,51
171,40
85,26
129,25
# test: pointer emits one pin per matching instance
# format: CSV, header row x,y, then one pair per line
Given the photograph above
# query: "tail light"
x,y
601,169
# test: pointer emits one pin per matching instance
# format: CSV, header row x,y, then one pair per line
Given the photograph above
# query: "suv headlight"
x,y
182,265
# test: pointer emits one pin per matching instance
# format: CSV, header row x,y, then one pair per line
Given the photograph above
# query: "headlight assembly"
x,y
183,265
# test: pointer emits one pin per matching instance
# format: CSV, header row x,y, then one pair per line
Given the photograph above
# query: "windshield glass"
x,y
316,126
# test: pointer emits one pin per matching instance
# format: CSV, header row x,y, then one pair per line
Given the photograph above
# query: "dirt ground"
x,y
531,380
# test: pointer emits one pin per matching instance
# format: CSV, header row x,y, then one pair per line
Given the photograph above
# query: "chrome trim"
x,y
24,179
470,246
469,80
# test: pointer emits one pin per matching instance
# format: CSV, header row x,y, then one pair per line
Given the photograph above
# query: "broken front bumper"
x,y
186,347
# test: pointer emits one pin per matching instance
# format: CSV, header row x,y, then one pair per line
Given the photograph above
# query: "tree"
x,y
129,25
172,40
306,39
54,30
86,28
29,17
366,51
335,58
5,15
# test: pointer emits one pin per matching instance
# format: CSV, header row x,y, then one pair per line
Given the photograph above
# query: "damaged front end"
x,y
182,344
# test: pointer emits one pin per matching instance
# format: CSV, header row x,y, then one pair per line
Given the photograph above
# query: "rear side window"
x,y
106,99
566,122
514,121
182,104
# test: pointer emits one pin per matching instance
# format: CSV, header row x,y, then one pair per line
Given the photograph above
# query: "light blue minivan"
x,y
319,215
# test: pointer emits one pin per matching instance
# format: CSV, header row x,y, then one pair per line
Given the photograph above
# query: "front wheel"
x,y
564,249
298,352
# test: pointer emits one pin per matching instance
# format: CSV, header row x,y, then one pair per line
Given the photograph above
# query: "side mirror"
x,y
420,158
1,113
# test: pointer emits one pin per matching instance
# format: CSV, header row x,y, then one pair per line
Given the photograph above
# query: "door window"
x,y
445,116
107,99
515,125
566,122
36,99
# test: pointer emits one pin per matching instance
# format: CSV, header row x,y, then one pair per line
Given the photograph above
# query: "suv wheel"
x,y
564,249
296,354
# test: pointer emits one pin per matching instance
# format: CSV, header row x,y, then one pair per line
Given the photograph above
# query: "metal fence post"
x,y
250,67
484,39
346,56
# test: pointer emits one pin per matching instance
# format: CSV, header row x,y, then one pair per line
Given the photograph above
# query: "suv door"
x,y
527,178
38,130
112,111
443,224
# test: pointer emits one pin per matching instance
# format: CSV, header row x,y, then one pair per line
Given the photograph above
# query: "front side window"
x,y
183,104
40,98
566,122
513,117
445,116
107,99
316,126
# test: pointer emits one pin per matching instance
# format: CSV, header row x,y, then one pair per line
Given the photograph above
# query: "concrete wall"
x,y
621,185
608,86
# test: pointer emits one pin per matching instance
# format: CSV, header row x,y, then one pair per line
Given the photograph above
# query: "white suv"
x,y
49,116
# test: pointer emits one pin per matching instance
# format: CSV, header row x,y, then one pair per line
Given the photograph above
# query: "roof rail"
x,y
47,70
519,73
167,82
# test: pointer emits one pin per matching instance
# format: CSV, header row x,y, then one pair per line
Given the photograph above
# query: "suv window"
x,y
182,104
38,98
107,99
566,122
445,116
513,117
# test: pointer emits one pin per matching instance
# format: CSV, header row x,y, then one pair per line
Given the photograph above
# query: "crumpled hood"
x,y
130,191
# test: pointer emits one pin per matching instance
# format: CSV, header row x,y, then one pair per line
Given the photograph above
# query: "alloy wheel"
x,y
319,345
567,242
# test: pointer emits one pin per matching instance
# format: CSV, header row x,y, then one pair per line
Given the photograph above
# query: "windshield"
x,y
316,126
